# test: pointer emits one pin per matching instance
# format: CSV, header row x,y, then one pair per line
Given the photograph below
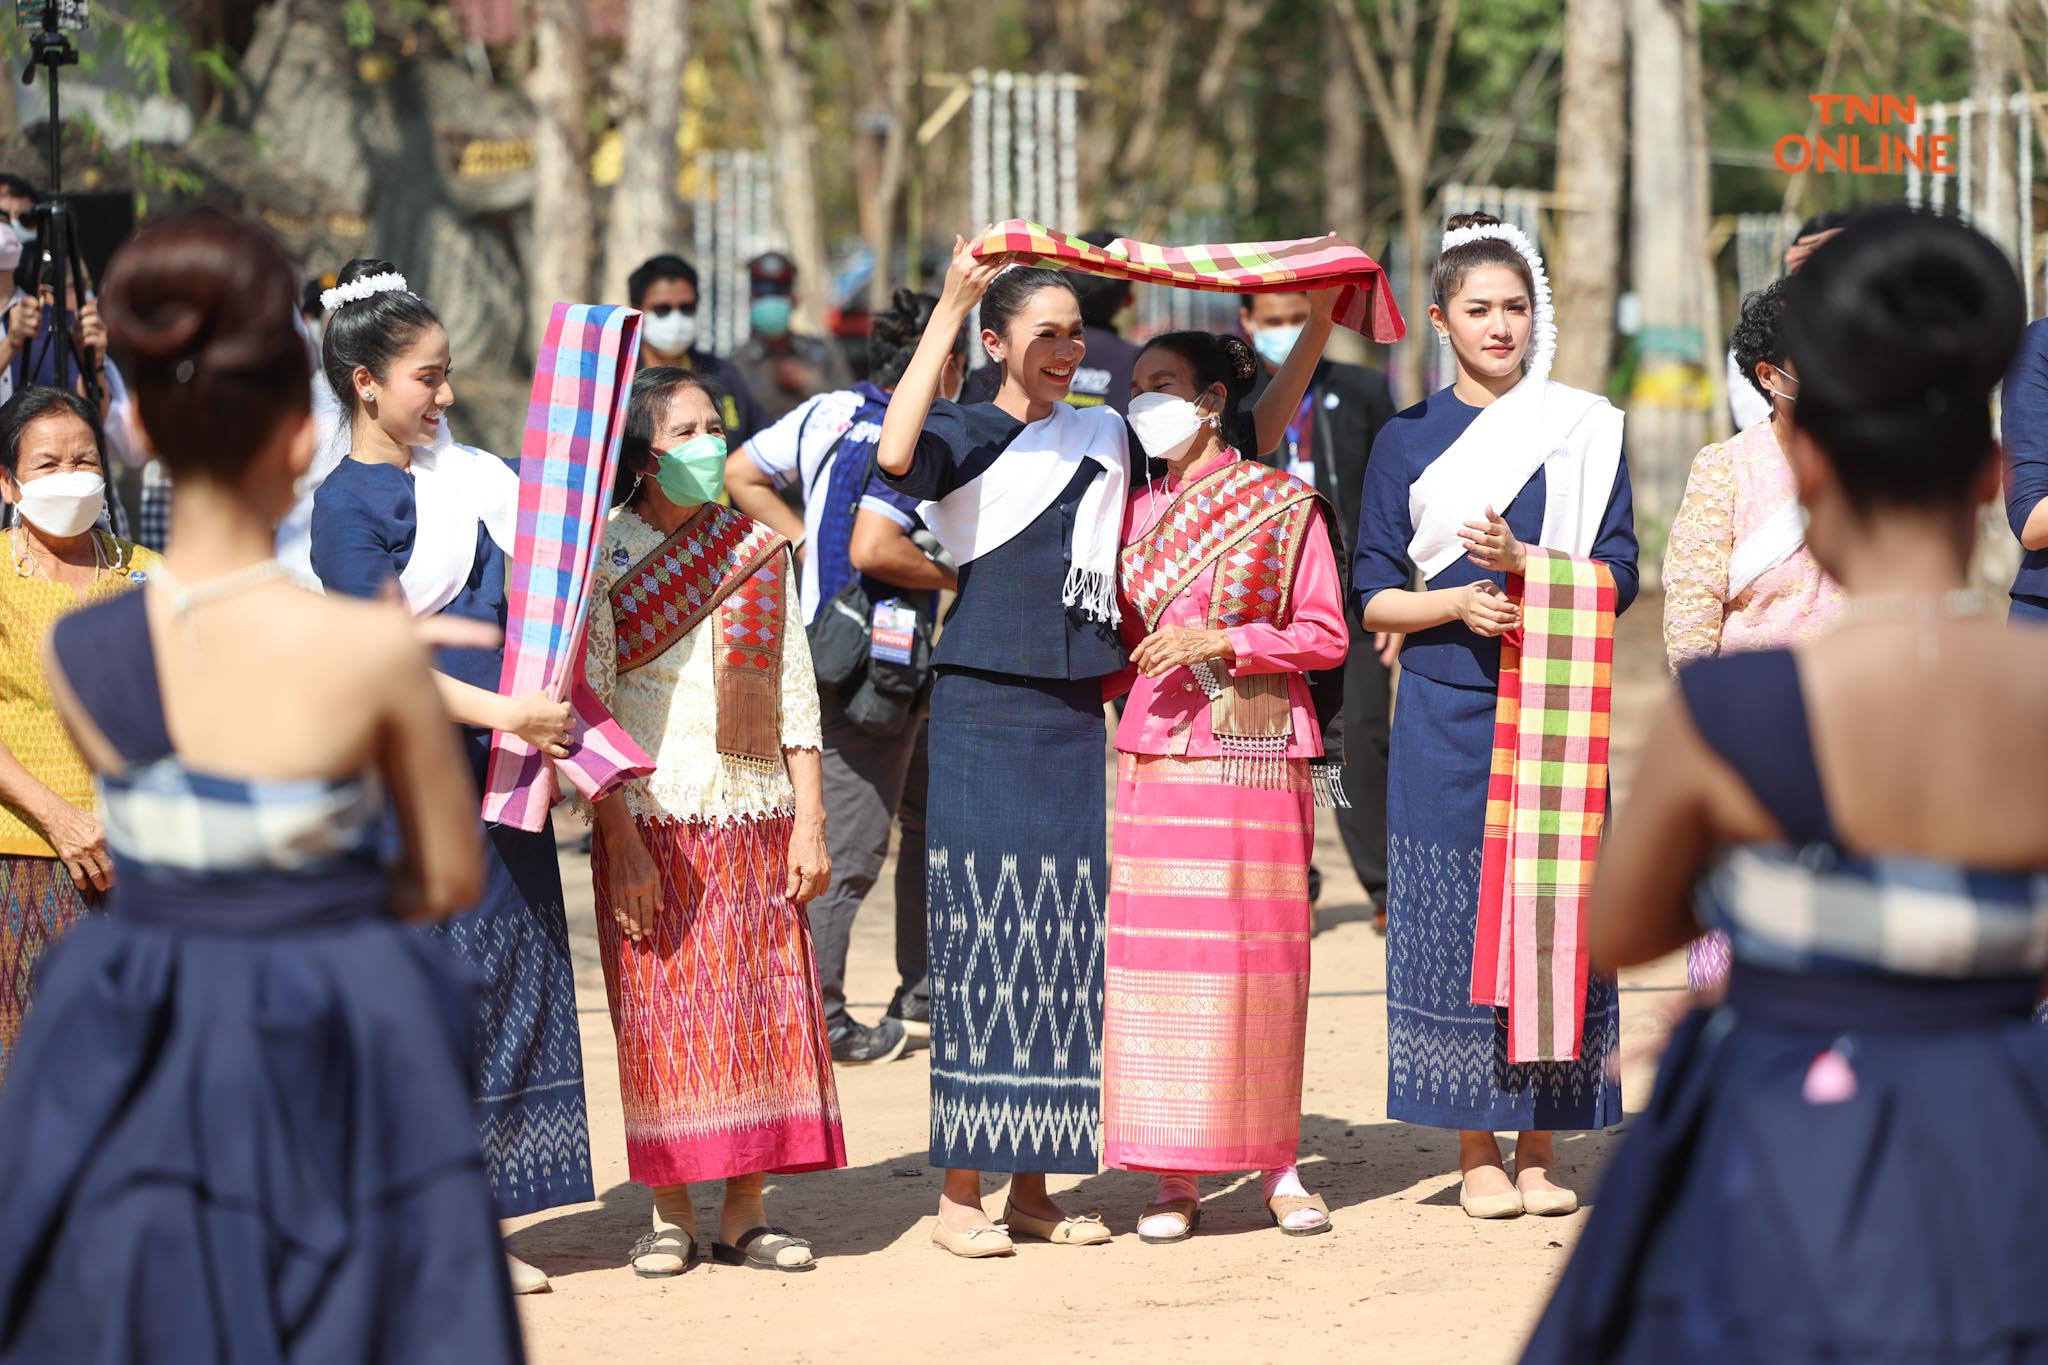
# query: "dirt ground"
x,y
1404,1277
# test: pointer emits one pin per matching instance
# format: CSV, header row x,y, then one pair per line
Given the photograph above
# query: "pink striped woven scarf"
x,y
566,465
1287,267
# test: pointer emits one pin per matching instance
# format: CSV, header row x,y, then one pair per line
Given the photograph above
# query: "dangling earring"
x,y
1443,338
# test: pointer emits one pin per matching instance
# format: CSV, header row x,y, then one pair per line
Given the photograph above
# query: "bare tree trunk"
x,y
562,233
1992,206
793,135
1592,145
1408,122
1344,117
882,144
644,219
1667,425
1343,138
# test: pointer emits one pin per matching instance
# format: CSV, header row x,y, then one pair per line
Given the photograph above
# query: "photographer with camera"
x,y
28,356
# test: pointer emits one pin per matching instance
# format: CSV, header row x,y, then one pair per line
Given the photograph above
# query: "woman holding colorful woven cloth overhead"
x,y
1510,494
702,870
1231,596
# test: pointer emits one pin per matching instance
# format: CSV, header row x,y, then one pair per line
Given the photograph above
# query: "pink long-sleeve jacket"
x,y
1170,714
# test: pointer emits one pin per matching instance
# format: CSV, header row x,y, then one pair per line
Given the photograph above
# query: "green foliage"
x,y
152,46
359,23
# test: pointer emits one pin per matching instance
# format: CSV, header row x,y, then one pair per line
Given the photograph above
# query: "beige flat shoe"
x,y
1552,1203
990,1239
526,1279
1508,1205
1085,1231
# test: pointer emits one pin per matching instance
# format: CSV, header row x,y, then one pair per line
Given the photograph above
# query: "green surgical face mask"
x,y
694,471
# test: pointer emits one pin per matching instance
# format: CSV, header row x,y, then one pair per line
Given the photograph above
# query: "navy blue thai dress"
x,y
1848,1159
531,1117
238,1126
1015,831
1447,1057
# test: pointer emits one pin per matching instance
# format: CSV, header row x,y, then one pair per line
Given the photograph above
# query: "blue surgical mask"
x,y
1274,343
23,233
770,315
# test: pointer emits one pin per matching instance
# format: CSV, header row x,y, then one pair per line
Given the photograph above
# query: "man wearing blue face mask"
x,y
782,366
1326,445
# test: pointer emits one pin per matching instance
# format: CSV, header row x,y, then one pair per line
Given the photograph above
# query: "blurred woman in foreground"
x,y
1848,1159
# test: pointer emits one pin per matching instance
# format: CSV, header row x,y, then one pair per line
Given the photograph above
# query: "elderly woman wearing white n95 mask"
x,y
53,853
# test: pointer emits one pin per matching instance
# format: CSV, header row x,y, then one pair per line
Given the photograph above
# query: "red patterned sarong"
x,y
724,1068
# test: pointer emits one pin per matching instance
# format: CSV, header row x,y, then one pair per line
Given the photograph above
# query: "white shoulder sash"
x,y
993,508
1572,435
1776,539
454,488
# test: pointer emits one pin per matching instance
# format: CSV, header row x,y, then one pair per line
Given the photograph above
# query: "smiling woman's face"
x,y
1041,347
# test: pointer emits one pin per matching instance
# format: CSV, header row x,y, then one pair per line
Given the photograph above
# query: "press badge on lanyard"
x,y
892,632
1301,460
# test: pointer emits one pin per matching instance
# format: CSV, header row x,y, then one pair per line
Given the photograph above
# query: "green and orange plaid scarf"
x,y
1546,805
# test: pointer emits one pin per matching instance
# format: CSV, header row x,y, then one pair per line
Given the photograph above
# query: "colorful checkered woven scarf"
x,y
1367,305
566,467
1248,520
1546,803
725,561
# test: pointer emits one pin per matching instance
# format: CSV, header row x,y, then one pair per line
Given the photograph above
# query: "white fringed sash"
x,y
992,509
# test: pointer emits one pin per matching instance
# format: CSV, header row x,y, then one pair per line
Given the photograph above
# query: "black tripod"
x,y
62,270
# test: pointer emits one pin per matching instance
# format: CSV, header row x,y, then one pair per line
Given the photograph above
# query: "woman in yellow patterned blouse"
x,y
53,855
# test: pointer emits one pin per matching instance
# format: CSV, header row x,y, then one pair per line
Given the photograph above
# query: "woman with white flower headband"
x,y
402,508
1509,494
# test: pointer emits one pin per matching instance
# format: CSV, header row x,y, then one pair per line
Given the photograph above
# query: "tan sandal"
x,y
990,1239
1189,1211
1087,1230
1280,1205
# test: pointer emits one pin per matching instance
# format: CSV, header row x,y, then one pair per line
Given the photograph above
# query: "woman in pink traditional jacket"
x,y
1231,597
1737,573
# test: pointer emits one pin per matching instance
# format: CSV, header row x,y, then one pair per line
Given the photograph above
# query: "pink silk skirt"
x,y
1205,1008
724,1068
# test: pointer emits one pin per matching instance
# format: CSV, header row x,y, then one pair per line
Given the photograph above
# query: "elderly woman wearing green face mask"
x,y
702,869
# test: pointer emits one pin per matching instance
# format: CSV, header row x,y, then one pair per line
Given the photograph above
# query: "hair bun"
x,y
1467,220
153,332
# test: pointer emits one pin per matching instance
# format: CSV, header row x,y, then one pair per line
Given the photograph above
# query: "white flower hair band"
x,y
369,286
1543,335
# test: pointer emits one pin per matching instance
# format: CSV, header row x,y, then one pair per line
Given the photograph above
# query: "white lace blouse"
x,y
667,703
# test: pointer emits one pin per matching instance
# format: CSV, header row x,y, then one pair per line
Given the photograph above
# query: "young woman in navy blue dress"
x,y
1435,498
1027,494
411,512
